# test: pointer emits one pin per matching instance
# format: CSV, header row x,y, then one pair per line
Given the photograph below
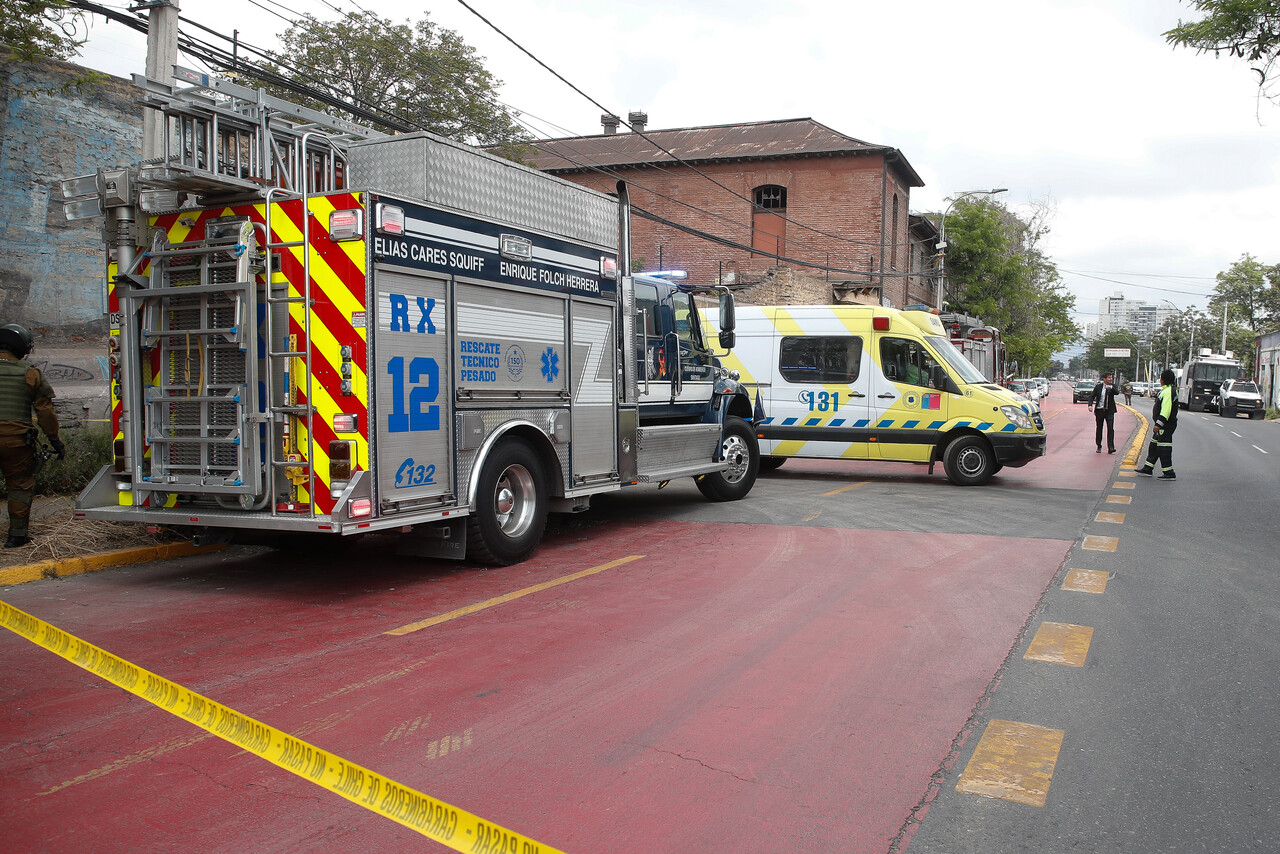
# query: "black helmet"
x,y
18,340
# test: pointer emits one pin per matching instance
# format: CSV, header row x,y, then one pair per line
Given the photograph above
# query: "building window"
x,y
893,252
769,220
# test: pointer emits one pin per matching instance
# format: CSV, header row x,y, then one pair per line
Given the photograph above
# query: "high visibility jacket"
x,y
1165,410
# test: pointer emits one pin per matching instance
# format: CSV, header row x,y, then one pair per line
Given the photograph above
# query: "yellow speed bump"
x,y
446,824
1060,643
1013,761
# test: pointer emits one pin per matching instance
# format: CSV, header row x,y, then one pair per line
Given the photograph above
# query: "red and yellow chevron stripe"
x,y
334,319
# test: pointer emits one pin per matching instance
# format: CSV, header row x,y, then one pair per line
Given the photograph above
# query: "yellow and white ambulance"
x,y
875,383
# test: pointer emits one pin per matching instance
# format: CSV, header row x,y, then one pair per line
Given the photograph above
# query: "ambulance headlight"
x,y
1018,417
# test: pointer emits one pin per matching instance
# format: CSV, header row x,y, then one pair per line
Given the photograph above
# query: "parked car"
x,y
1044,386
1236,396
1141,389
1033,388
1083,391
1019,387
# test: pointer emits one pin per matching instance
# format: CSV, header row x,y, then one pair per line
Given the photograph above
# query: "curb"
x,y
1135,447
61,568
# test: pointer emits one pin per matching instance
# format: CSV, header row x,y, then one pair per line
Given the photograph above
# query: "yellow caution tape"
x,y
446,824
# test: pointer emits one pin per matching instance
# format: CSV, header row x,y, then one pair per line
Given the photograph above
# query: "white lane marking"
x,y
1237,435
1256,448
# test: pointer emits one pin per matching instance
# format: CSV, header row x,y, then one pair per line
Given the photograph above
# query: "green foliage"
x,y
34,28
422,75
1245,29
1249,297
1182,335
996,271
88,450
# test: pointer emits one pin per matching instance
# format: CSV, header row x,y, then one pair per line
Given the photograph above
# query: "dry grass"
x,y
58,535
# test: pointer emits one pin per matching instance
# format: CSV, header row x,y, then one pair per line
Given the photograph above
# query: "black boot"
x,y
15,542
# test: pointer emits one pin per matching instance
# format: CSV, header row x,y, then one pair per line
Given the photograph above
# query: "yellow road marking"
x,y
814,514
1128,473
1086,581
1124,485
1013,761
846,488
1060,643
1119,499
1094,543
435,819
508,597
1113,518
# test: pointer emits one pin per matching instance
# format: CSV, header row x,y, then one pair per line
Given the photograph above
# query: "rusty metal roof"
x,y
786,138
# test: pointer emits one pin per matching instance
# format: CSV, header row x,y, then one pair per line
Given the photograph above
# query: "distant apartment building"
x,y
1137,317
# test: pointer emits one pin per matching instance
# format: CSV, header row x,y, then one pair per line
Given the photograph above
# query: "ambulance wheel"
x,y
740,448
771,463
511,506
969,461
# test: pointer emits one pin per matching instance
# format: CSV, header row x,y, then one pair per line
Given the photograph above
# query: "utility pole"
x,y
162,54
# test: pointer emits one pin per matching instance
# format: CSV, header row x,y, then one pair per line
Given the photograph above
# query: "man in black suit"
x,y
1102,403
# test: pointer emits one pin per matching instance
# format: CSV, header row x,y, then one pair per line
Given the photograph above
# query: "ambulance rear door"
x,y
816,403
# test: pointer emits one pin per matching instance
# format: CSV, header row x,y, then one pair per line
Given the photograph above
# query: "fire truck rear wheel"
x,y
741,449
969,461
511,506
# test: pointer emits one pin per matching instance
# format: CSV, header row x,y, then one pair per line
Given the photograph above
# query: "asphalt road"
x,y
811,669
1168,726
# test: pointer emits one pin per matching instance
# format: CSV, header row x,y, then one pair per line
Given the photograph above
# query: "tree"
x,y
35,28
1243,289
1095,357
996,271
421,75
1247,29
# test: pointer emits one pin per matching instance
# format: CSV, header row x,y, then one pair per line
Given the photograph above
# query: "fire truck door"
x,y
411,404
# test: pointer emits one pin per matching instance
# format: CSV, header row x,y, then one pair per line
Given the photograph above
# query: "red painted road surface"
x,y
755,688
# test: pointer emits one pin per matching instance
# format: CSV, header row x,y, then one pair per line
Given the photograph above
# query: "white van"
x,y
873,383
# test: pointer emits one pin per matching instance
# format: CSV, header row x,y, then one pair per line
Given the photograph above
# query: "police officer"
x,y
1102,403
22,389
1164,415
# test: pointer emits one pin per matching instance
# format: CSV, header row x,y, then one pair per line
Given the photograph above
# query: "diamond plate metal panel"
x,y
441,172
492,419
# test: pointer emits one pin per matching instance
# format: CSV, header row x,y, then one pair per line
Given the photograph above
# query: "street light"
x,y
942,237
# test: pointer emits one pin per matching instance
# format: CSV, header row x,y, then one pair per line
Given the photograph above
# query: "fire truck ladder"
x,y
199,312
223,142
281,409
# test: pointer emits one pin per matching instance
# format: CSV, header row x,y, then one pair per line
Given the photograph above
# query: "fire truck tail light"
x,y
361,507
346,225
390,219
340,460
608,268
346,422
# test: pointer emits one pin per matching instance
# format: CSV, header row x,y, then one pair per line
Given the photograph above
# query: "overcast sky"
x,y
1160,166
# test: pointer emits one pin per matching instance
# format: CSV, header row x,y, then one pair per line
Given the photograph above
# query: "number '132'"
x,y
424,387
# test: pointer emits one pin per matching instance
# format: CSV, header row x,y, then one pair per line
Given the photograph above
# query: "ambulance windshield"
x,y
961,367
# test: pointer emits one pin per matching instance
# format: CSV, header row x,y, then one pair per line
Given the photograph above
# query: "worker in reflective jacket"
x,y
1164,415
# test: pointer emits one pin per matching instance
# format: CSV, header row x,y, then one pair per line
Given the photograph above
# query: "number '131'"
x,y
424,380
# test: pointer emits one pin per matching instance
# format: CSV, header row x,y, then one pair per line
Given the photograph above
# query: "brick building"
x,y
791,193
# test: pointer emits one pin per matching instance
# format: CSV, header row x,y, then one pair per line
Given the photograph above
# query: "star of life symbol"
x,y
550,365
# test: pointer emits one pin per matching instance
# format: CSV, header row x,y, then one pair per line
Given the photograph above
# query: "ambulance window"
x,y
906,361
820,359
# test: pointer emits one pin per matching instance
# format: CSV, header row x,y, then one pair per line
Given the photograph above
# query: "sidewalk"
x,y
65,546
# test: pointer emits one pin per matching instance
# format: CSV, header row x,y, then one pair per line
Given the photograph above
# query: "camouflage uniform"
x,y
22,389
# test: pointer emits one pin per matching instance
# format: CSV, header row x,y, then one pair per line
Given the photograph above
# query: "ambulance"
x,y
875,383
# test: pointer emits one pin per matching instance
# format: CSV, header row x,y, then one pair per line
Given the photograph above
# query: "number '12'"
x,y
416,416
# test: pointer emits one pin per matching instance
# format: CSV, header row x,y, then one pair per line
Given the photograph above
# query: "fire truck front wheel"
x,y
742,452
511,506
